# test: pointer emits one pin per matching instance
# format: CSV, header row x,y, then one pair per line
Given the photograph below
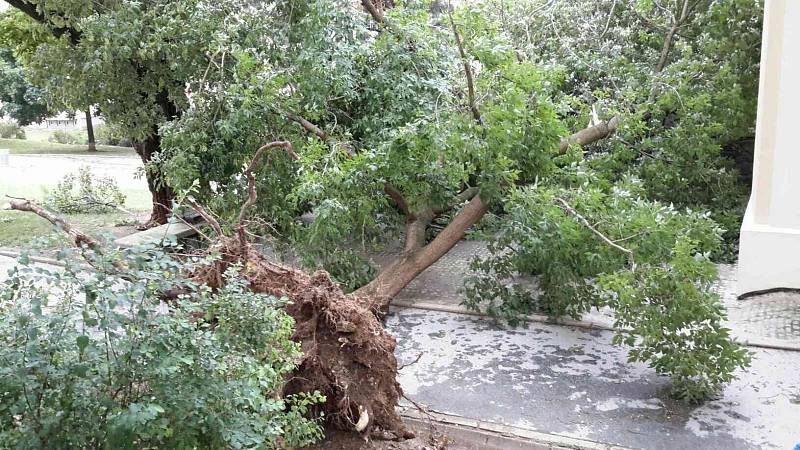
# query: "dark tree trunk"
x,y
90,130
161,193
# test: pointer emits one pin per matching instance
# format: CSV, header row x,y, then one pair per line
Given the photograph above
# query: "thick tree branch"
x,y
401,272
377,16
78,237
590,135
308,126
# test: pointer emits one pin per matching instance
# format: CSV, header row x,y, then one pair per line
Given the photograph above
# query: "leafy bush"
x,y
66,137
654,272
93,361
108,135
85,193
11,130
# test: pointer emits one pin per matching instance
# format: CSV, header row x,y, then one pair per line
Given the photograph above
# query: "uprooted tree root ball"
x,y
348,355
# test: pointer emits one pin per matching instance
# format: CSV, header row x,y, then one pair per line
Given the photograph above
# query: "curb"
x,y
477,434
746,340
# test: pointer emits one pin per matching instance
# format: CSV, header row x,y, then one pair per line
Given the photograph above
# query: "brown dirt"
x,y
348,356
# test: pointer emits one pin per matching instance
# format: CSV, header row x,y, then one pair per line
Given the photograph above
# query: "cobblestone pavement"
x,y
774,315
771,319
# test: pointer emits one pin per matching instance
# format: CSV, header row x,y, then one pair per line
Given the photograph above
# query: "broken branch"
x,y
566,207
81,239
590,135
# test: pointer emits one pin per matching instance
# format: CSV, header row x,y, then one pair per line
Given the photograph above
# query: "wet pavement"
x,y
573,382
46,170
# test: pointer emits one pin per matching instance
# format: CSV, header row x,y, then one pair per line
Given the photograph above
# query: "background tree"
x,y
133,60
22,35
20,100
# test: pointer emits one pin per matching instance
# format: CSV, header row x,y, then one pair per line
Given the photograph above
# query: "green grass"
x,y
25,230
33,147
137,200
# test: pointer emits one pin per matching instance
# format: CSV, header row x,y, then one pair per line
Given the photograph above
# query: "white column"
x,y
769,253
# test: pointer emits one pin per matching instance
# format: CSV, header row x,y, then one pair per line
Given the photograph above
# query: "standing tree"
x,y
20,100
133,60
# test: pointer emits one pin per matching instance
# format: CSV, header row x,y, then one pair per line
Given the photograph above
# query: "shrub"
x,y
11,130
66,137
94,361
108,135
85,193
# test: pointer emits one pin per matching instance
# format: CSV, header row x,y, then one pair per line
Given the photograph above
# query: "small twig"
x,y
476,114
566,206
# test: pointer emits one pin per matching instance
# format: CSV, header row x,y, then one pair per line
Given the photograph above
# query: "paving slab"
x,y
157,235
572,382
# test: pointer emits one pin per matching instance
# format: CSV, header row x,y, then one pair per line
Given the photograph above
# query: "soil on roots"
x,y
348,355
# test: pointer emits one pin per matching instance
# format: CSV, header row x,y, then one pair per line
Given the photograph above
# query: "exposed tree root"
x,y
348,356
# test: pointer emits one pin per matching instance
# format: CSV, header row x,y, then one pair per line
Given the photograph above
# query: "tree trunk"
x,y
90,130
161,193
410,264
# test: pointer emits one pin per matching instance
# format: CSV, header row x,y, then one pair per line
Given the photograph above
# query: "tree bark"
x,y
589,135
90,130
161,193
394,278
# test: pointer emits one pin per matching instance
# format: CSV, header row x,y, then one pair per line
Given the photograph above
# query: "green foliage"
x,y
85,193
19,99
662,292
94,361
676,118
132,58
11,130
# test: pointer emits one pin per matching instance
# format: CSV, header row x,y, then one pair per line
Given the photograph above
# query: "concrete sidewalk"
x,y
768,320
572,382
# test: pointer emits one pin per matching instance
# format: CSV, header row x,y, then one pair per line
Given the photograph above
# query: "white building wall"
x,y
769,255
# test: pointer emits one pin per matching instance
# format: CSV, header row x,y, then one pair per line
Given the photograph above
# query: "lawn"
x,y
34,146
22,230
